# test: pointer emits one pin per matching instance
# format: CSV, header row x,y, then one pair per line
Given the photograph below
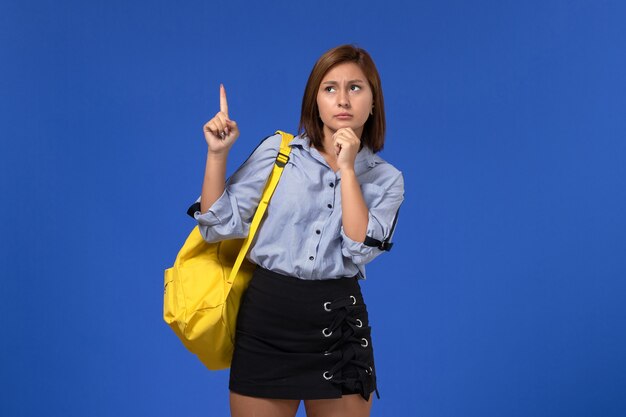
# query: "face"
x,y
344,99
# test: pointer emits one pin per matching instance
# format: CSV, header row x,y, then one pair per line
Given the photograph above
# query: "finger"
x,y
348,135
342,133
222,116
350,132
212,128
343,130
218,124
337,146
340,141
223,101
208,126
231,126
346,138
223,121
218,129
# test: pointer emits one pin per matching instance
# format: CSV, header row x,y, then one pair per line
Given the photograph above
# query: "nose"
x,y
343,100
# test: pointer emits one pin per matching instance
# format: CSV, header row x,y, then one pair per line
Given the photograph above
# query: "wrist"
x,y
218,156
347,171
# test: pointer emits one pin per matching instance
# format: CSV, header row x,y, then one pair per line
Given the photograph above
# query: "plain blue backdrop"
x,y
505,294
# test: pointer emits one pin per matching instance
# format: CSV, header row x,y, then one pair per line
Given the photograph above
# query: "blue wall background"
x,y
505,293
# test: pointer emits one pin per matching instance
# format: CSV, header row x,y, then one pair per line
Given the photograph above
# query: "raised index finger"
x,y
223,101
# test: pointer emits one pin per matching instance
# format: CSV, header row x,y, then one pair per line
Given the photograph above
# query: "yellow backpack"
x,y
203,289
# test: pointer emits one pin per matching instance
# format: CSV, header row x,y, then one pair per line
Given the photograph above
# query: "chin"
x,y
349,124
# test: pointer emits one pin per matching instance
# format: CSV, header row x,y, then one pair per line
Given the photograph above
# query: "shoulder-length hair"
x,y
310,123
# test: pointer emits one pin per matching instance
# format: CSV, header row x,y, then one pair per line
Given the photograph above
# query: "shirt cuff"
x,y
358,252
220,211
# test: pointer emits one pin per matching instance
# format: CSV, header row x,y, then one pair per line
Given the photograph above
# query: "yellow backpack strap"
x,y
285,149
281,160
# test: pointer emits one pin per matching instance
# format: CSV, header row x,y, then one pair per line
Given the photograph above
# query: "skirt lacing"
x,y
352,347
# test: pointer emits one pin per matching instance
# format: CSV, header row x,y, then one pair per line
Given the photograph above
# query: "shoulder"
x,y
269,143
272,144
265,151
384,174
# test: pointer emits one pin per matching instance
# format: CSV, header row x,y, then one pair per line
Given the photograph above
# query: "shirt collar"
x,y
365,159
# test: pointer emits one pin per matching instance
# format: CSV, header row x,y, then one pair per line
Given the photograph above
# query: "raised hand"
x,y
220,132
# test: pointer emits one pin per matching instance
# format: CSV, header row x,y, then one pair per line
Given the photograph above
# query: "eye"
x,y
355,87
329,89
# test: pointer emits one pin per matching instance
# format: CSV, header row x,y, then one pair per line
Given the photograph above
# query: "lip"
x,y
343,116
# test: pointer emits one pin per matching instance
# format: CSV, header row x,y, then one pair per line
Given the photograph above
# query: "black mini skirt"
x,y
302,339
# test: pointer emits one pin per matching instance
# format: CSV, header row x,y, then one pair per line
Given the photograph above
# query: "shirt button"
x,y
318,231
332,184
311,258
330,206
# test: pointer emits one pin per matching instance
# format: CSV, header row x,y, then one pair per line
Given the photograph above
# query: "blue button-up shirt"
x,y
302,234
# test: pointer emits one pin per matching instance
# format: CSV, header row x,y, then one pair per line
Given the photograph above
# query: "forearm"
x,y
214,179
354,216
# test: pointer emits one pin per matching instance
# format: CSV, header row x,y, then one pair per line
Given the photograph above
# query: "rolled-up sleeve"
x,y
229,217
383,206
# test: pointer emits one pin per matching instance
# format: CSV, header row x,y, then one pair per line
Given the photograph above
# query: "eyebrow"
x,y
349,82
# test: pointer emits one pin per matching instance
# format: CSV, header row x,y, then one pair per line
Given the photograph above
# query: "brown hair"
x,y
310,123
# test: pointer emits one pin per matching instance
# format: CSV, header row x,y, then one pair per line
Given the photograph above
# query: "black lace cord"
x,y
360,383
365,372
349,335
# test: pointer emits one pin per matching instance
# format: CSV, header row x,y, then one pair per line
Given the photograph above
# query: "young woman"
x,y
303,330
